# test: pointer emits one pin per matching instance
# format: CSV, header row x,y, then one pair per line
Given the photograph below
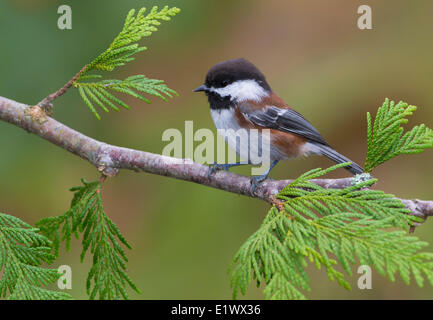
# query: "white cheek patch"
x,y
242,90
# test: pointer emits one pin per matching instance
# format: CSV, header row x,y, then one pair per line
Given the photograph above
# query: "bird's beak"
x,y
201,88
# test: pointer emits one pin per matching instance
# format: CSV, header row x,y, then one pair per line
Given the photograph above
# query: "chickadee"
x,y
240,98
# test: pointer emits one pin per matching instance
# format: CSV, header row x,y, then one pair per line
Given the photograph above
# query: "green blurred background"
x,y
185,235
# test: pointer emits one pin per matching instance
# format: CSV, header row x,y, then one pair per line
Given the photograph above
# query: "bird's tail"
x,y
339,158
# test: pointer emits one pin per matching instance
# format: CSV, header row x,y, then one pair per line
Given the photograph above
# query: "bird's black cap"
x,y
229,71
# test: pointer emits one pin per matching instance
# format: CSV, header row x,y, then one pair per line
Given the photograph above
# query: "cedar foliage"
x,y
339,227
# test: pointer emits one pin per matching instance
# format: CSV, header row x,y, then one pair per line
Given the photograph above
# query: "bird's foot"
x,y
255,181
213,168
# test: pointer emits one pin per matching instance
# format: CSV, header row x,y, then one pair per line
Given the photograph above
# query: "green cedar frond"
x,y
329,227
97,92
125,45
107,278
22,251
385,137
120,52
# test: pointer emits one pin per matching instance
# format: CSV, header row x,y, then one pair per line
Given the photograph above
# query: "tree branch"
x,y
46,102
109,159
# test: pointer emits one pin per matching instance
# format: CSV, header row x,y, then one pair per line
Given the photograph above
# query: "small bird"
x,y
241,98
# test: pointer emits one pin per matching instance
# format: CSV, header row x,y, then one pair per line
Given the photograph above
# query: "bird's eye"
x,y
224,83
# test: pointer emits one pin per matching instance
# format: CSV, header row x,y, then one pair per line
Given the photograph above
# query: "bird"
x,y
241,98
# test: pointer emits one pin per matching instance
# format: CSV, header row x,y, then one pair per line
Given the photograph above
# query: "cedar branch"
x,y
110,159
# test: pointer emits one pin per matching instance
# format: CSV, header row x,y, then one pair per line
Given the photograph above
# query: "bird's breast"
x,y
246,140
225,119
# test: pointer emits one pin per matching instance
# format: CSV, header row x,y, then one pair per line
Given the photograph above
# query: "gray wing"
x,y
286,120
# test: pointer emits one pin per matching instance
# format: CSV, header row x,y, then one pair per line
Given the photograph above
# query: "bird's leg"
x,y
217,166
256,180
